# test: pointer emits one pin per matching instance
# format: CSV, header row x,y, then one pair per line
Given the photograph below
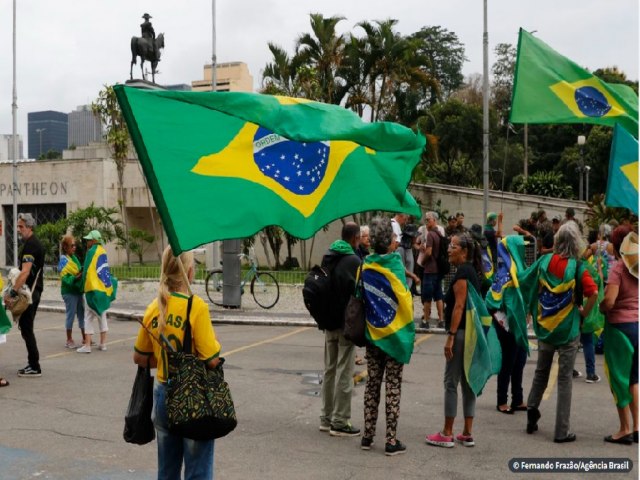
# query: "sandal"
x,y
4,382
508,410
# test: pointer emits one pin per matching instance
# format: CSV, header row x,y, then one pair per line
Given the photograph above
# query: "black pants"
x,y
514,358
26,330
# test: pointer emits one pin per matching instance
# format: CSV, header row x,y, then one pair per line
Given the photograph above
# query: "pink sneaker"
x,y
439,440
466,440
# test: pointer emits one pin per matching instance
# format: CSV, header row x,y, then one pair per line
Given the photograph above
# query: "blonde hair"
x,y
171,280
66,241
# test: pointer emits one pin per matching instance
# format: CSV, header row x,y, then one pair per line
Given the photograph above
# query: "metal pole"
x,y
586,172
14,114
526,150
485,115
214,80
581,173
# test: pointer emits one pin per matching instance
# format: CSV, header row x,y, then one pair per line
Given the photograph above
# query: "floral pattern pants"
x,y
379,364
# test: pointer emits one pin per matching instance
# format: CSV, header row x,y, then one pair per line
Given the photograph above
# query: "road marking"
x,y
553,378
263,342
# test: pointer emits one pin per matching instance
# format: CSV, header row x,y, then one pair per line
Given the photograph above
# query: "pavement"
x,y
68,423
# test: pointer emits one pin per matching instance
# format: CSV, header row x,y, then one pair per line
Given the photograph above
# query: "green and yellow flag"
x,y
225,165
5,323
618,360
550,88
99,286
388,306
482,351
505,292
622,182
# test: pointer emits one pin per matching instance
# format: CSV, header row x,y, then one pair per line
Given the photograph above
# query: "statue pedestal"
x,y
143,84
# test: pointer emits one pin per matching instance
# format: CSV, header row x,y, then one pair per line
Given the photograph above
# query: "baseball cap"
x,y
492,216
451,217
93,235
556,219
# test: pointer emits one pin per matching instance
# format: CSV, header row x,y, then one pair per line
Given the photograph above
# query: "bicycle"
x,y
263,286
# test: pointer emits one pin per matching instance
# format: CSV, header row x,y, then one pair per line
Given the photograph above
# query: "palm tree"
x,y
280,76
324,50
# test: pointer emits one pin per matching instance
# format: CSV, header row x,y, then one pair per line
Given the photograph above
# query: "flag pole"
x,y
14,114
485,116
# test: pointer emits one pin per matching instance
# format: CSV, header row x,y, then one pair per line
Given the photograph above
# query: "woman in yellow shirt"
x,y
167,316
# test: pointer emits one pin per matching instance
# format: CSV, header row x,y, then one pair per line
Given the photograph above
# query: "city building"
x,y
181,87
84,127
47,130
230,77
6,148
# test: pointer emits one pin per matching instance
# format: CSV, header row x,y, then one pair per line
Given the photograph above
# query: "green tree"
x,y
546,184
139,241
323,49
80,222
503,70
280,76
599,213
117,135
50,235
50,155
445,56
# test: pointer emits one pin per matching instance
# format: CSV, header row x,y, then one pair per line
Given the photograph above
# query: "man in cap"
x,y
493,233
99,290
452,226
31,263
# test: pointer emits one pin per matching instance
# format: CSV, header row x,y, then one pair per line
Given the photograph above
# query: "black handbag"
x,y
354,315
199,403
138,427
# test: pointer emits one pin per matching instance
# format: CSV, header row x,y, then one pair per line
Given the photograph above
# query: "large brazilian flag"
x,y
225,165
388,306
622,182
482,351
99,286
550,88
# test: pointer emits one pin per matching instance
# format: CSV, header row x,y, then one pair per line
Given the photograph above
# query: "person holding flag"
x,y
99,289
70,270
553,289
389,331
472,350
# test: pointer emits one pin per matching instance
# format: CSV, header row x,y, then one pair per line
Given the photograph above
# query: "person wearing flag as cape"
x,y
70,270
553,289
99,290
389,331
471,350
620,304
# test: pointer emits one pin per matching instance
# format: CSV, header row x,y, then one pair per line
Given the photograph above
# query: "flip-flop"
x,y
507,411
4,382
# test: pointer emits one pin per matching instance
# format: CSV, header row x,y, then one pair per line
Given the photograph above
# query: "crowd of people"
x,y
572,294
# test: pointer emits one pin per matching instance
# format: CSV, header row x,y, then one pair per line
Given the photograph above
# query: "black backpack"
x,y
442,260
317,294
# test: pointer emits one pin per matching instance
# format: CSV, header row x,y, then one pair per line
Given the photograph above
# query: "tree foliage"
x,y
546,184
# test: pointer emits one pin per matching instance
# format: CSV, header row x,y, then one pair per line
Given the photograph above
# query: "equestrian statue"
x,y
147,47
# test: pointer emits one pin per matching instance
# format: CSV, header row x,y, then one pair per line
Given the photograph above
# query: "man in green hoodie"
x,y
337,385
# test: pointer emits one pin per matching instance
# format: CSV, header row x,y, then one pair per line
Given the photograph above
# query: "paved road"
x,y
68,424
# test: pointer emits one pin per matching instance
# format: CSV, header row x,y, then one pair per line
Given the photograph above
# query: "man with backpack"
x,y
433,248
341,263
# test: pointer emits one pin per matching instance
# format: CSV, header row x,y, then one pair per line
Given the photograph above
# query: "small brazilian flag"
x,y
225,165
99,286
622,183
550,88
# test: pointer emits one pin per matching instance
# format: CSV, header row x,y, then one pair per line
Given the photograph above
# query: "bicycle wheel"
x,y
265,290
213,286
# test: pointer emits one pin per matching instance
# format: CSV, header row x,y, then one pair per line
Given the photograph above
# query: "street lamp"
x,y
40,130
581,141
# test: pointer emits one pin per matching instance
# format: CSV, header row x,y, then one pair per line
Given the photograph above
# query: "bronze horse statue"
x,y
143,48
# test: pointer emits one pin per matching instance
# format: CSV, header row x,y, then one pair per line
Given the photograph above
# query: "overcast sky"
x,y
67,50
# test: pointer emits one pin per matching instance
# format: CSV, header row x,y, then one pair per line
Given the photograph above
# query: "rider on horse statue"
x,y
149,33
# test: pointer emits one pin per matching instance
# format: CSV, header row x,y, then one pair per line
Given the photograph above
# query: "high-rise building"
x,y
48,130
230,77
6,148
84,127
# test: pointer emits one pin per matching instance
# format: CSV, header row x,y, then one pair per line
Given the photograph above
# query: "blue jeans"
x,y
172,450
73,305
589,351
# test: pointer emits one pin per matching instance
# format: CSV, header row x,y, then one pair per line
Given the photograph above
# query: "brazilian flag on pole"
x,y
388,306
99,286
550,88
482,351
622,182
225,165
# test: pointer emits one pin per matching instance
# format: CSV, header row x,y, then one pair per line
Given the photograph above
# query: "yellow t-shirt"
x,y
203,341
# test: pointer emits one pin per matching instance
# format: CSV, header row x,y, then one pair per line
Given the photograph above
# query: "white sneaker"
x,y
84,349
102,347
